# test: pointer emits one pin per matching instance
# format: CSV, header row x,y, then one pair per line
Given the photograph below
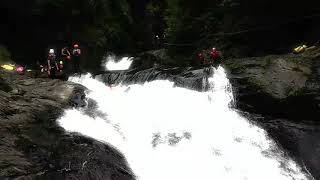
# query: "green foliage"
x,y
130,26
156,8
189,22
36,25
153,8
5,55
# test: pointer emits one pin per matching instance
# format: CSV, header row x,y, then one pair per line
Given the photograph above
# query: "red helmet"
x,y
75,45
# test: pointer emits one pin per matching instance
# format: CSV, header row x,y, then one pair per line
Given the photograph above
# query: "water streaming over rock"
x,y
111,63
169,132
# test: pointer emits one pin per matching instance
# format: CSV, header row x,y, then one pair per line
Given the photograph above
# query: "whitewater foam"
x,y
112,64
172,133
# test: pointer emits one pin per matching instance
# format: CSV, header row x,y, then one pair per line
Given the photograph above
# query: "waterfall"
x,y
173,133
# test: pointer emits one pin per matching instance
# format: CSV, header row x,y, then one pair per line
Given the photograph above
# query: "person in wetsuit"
x,y
52,64
76,54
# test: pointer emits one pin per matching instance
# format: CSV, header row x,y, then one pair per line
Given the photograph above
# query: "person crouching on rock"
x,y
52,64
215,56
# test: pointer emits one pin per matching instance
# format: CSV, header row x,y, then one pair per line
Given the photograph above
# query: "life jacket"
x,y
52,59
300,49
215,55
20,70
60,65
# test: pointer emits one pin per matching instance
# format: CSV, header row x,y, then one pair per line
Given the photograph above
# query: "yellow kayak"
x,y
8,67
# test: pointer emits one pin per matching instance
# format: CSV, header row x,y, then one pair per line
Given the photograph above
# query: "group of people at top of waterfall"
x,y
214,57
66,61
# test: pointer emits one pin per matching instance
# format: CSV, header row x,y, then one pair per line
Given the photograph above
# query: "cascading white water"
x,y
112,64
172,133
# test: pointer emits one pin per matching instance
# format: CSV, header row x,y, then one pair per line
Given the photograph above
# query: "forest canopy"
x,y
30,27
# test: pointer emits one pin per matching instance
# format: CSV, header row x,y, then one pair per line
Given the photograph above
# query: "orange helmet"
x,y
75,45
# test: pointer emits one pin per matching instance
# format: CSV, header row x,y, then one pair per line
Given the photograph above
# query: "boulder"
x,y
34,146
278,85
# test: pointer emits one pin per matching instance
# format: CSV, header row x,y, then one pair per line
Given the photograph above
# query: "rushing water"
x,y
111,63
173,133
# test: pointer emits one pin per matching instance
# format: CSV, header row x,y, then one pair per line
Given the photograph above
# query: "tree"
x,y
32,26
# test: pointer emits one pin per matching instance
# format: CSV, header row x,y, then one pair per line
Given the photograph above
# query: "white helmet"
x,y
51,51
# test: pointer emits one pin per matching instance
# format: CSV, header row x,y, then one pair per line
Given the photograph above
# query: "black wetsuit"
x,y
53,64
76,60
66,61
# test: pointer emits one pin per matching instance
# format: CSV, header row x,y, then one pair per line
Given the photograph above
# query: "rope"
x,y
265,27
261,28
182,44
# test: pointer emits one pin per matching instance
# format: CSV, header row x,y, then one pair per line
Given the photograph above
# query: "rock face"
x,y
299,140
281,86
191,78
161,57
285,90
151,58
33,146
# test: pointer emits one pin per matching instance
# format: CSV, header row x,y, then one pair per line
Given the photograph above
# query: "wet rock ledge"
x,y
284,86
33,146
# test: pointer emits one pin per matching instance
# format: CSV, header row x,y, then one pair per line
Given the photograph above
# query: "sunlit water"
x,y
172,133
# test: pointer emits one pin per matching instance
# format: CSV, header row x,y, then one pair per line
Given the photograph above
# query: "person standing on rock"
x,y
66,56
65,53
52,63
76,54
215,56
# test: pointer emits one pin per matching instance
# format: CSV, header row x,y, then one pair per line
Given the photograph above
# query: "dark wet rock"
x,y
162,57
298,140
4,85
33,146
187,77
301,140
284,86
152,58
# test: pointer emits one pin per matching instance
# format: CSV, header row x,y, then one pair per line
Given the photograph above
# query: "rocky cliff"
x,y
281,94
33,146
286,86
284,90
